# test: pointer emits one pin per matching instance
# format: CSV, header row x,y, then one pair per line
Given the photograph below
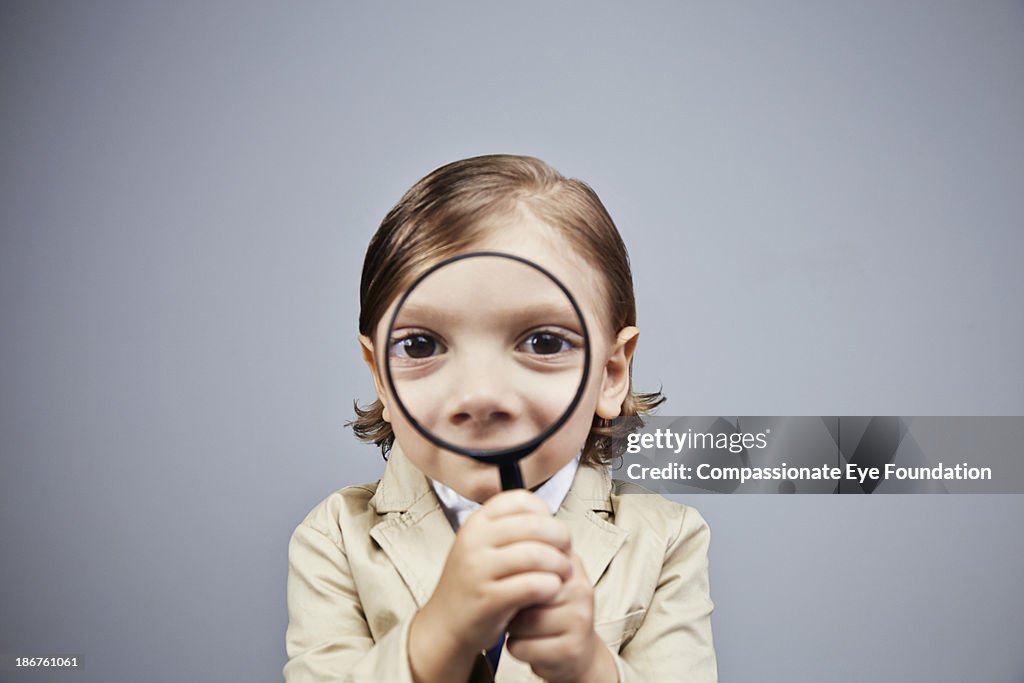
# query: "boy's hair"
x,y
450,209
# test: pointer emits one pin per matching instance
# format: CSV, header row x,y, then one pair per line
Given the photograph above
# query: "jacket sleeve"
x,y
328,638
674,641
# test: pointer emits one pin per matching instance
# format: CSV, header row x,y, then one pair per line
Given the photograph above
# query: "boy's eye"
x,y
416,346
545,343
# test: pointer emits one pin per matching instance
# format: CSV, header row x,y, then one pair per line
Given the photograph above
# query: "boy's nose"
x,y
483,397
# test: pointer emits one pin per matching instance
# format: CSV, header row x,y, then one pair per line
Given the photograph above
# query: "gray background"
x,y
823,203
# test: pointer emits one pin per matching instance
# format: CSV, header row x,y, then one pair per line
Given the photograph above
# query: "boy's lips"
x,y
490,440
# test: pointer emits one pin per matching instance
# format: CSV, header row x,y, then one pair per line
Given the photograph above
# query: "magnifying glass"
x,y
487,355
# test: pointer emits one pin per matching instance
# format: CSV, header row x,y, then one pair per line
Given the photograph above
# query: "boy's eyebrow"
x,y
546,313
423,311
529,314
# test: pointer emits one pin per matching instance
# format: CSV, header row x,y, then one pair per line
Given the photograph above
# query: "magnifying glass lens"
x,y
486,355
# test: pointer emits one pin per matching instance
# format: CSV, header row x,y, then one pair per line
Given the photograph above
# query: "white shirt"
x,y
552,492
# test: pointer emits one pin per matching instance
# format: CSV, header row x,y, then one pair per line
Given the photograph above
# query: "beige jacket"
x,y
368,556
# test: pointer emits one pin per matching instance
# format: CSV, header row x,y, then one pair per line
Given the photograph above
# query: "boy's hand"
x,y
557,639
509,555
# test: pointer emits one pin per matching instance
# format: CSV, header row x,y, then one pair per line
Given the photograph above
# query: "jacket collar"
x,y
415,534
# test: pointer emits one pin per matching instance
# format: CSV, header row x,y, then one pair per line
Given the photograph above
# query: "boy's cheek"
x,y
554,454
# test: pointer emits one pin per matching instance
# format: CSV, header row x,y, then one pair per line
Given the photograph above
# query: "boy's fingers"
x,y
530,556
543,653
511,502
576,587
528,588
540,621
529,527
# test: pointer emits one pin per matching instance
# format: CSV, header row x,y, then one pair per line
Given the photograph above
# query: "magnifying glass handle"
x,y
511,477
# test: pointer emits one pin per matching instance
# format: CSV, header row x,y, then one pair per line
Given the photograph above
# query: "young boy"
x,y
433,573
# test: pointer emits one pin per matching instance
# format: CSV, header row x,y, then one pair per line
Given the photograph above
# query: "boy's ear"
x,y
615,382
371,362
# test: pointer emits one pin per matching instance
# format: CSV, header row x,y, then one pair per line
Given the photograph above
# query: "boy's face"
x,y
478,400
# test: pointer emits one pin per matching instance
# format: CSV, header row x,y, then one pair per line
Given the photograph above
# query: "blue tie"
x,y
494,653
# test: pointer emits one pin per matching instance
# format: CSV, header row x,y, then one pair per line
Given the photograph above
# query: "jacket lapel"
x,y
585,510
413,530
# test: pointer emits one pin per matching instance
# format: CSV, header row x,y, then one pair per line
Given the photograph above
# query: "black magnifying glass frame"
x,y
507,459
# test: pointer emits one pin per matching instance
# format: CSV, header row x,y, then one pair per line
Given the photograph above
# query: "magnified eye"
x,y
545,343
416,346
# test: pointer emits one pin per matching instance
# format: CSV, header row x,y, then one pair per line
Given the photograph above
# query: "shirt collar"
x,y
553,492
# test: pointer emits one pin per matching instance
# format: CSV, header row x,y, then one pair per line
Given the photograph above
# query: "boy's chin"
x,y
478,484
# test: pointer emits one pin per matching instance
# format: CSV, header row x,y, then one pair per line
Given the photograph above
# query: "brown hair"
x,y
446,212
